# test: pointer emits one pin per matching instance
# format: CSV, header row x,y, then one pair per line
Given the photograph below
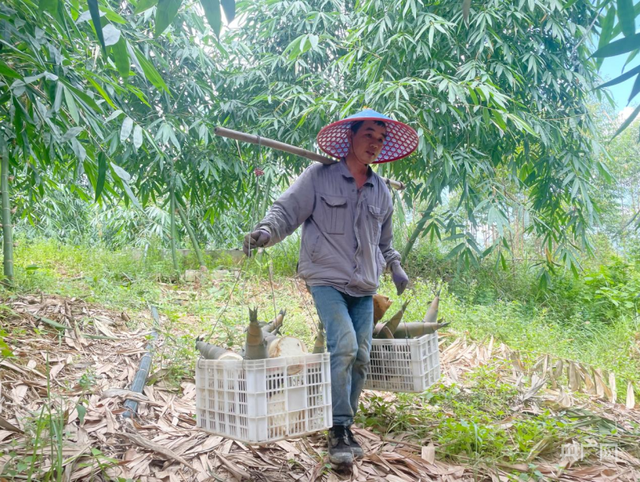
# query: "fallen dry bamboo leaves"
x,y
148,444
167,447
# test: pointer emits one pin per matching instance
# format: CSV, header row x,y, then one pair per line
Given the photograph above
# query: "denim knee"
x,y
363,355
346,347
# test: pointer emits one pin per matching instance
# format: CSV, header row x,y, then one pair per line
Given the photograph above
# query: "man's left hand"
x,y
400,278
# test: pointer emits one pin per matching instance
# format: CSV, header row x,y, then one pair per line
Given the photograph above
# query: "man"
x,y
345,212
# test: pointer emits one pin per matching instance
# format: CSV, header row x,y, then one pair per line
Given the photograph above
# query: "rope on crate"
x,y
258,172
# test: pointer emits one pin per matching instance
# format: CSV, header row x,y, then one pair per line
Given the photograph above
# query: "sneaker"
x,y
356,449
339,450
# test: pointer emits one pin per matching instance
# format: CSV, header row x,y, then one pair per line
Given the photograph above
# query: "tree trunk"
x,y
416,233
174,237
192,236
7,230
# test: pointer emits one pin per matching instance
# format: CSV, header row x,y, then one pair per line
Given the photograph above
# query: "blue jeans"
x,y
348,322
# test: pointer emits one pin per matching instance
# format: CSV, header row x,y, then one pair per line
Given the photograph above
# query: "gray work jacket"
x,y
346,235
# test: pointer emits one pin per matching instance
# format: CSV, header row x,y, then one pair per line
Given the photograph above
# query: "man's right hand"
x,y
256,239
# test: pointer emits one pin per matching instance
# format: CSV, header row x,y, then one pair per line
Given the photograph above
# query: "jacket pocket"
x,y
332,215
374,223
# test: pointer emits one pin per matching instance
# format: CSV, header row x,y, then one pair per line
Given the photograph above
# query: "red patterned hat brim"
x,y
401,139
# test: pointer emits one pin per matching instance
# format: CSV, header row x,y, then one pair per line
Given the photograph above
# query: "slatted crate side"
x,y
407,365
258,401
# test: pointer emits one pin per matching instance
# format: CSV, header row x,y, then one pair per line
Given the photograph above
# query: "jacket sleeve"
x,y
386,237
291,209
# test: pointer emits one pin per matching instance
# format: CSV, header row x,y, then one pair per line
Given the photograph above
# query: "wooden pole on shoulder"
x,y
281,146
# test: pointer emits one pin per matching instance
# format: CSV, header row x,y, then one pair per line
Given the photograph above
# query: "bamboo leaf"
x,y
619,47
111,35
8,71
635,89
132,196
621,78
121,173
626,18
78,150
212,12
165,13
102,174
125,131
71,105
95,17
606,30
58,97
229,7
137,137
50,6
113,16
150,72
121,57
102,92
628,121
607,27
144,5
82,96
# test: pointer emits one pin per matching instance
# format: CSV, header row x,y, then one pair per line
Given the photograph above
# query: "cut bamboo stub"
x,y
281,146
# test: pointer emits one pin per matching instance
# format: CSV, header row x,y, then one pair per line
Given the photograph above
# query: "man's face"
x,y
368,141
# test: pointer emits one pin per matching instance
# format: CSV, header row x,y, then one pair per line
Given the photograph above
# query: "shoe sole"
x,y
346,459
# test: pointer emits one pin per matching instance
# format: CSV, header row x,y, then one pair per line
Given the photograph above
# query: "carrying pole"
x,y
281,146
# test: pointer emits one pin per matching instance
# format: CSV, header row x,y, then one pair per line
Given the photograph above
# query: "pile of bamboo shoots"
x,y
396,328
263,340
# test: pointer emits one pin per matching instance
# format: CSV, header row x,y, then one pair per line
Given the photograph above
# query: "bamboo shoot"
x,y
432,313
274,325
382,332
395,320
213,352
416,329
256,345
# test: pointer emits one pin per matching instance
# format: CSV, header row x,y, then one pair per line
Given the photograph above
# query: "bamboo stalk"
x,y
281,146
172,217
7,231
192,235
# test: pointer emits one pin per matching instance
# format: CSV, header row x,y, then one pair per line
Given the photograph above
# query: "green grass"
x,y
125,280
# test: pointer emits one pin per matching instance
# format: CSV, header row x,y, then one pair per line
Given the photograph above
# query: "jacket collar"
x,y
346,173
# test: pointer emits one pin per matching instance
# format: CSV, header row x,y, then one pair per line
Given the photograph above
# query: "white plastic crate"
x,y
259,401
404,365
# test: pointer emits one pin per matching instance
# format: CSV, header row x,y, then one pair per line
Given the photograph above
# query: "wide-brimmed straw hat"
x,y
401,139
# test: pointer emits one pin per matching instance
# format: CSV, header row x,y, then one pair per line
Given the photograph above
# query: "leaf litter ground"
x,y
62,405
